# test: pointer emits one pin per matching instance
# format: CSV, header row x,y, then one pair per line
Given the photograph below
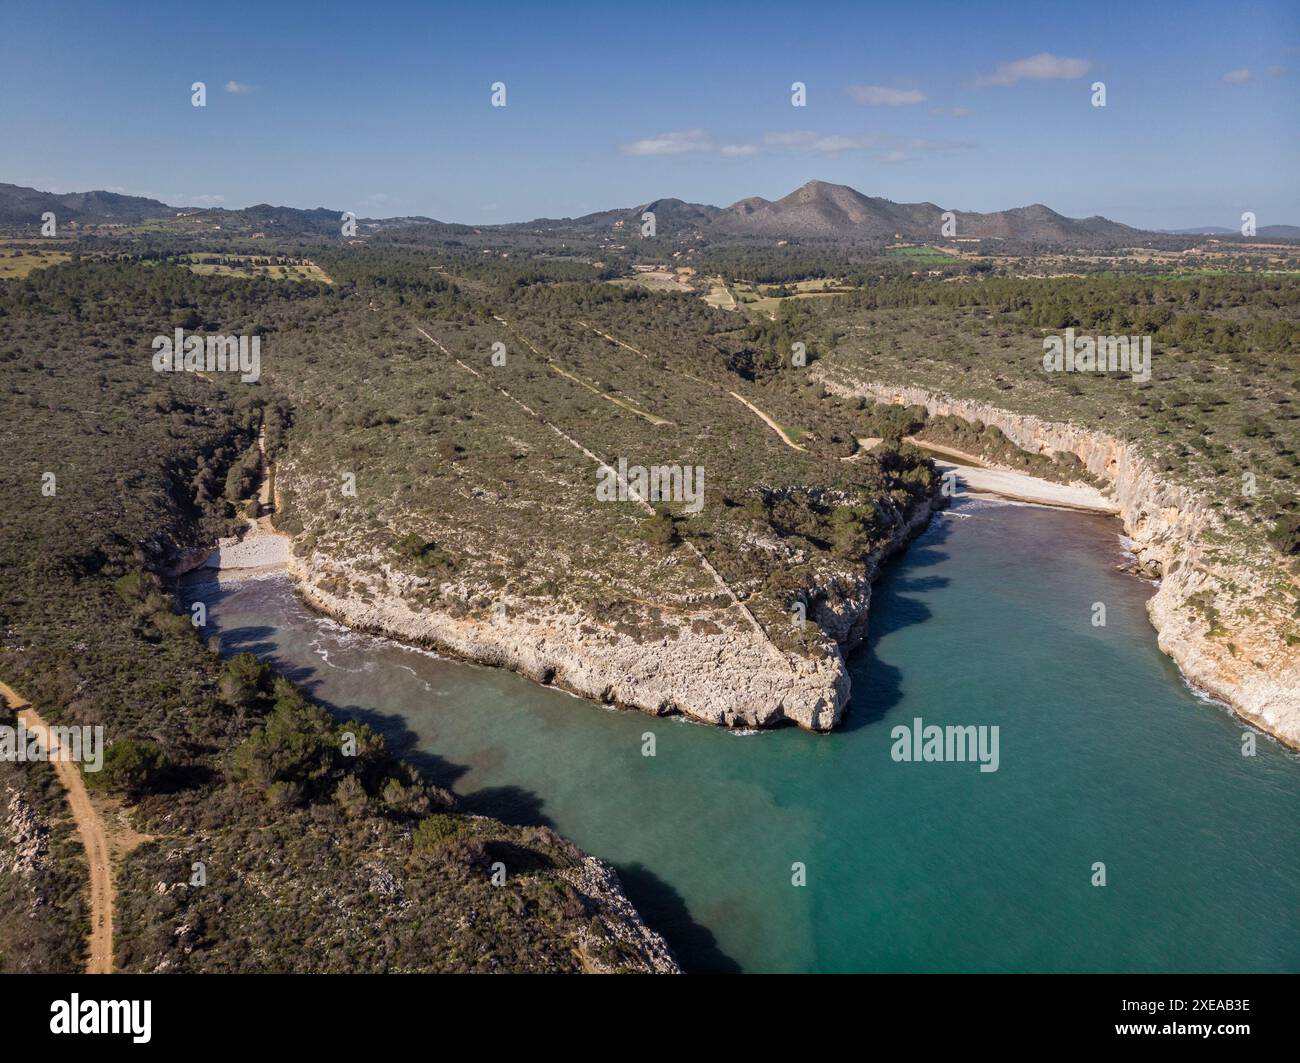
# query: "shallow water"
x,y
1105,756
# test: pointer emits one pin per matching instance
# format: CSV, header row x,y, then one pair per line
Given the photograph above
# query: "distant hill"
x,y
265,218
820,210
672,214
817,210
1270,232
24,206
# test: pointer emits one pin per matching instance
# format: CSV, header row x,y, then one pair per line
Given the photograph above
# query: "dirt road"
x,y
93,837
785,438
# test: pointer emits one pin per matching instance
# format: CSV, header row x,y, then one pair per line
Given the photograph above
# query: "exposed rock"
x,y
1212,618
599,883
24,841
733,678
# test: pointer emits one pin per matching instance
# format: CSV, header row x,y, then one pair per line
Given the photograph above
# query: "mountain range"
x,y
817,210
828,211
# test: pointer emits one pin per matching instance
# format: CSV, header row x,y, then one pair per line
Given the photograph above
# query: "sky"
x,y
386,108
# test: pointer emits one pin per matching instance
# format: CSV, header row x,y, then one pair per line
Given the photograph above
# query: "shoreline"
x,y
548,650
1164,522
743,687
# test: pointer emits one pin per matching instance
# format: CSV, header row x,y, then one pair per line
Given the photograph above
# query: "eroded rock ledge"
x,y
732,678
1247,662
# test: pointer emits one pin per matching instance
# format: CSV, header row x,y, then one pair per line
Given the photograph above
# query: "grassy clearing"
x,y
656,280
719,296
921,255
19,262
247,267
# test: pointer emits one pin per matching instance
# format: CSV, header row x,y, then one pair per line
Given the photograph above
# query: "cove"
x,y
1105,757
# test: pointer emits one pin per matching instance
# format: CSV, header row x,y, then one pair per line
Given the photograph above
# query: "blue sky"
x,y
384,108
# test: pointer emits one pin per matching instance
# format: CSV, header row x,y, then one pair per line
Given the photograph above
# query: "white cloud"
x,y
882,149
885,149
881,96
819,143
1237,77
690,140
952,112
1041,67
238,88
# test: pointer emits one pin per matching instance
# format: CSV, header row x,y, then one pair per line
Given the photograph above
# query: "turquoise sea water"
x,y
1105,756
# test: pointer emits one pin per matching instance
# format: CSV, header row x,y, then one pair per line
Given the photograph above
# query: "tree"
x,y
243,678
660,528
131,767
435,831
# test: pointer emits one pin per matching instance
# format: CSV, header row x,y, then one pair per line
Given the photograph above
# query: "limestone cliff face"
x,y
733,678
1246,662
643,951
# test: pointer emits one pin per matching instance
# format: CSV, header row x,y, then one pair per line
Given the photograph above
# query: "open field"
x,y
250,266
19,261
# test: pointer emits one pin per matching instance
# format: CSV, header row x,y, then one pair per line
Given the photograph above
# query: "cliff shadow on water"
x,y
662,906
877,686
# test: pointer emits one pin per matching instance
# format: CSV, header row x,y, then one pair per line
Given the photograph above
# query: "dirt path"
x,y
785,438
93,837
969,460
613,339
721,583
654,419
265,502
261,548
769,422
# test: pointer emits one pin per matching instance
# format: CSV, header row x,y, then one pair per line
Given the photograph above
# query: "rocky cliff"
x,y
732,677
1214,619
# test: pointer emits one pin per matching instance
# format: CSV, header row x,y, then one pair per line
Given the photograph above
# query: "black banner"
x,y
150,1013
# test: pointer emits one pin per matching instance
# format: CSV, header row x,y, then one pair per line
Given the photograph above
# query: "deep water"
x,y
1105,756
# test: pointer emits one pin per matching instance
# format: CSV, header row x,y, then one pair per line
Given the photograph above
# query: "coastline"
x,y
263,551
1249,667
730,679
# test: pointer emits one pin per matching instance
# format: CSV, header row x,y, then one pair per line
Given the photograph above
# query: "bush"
x,y
894,422
434,832
852,530
423,555
131,767
296,744
660,529
243,678
1285,535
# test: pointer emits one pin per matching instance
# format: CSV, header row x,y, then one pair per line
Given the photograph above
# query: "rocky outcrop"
x,y
635,947
24,841
730,677
1213,618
